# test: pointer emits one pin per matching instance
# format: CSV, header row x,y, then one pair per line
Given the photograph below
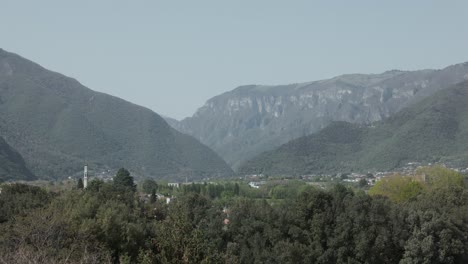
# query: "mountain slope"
x,y
435,129
12,165
242,123
57,125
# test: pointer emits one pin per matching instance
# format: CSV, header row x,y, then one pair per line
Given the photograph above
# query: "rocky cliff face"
x,y
432,130
251,119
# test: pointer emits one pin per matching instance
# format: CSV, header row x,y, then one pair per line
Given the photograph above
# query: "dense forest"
x,y
419,219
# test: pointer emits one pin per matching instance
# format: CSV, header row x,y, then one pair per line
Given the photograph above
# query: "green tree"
x,y
362,183
95,185
438,177
435,238
344,176
80,185
123,178
398,188
236,189
18,199
153,196
149,185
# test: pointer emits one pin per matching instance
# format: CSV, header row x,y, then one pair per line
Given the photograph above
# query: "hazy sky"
x,y
171,56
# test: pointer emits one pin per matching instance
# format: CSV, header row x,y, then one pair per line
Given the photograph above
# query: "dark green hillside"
x,y
328,150
57,124
435,129
12,165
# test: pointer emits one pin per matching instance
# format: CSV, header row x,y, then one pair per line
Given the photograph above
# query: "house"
x,y
174,184
254,185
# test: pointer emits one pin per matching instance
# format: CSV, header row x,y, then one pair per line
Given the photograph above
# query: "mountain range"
x,y
51,125
432,130
249,120
57,125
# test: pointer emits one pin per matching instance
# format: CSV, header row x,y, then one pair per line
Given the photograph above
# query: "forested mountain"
x,y
12,165
57,125
244,122
435,129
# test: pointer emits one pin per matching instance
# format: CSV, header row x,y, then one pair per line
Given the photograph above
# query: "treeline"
x,y
114,223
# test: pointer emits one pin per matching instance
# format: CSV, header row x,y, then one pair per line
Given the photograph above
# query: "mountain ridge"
x,y
250,119
58,124
433,130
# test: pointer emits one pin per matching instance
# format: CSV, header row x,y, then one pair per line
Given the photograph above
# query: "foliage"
x,y
18,199
362,183
149,185
437,177
286,191
123,179
398,188
12,165
109,223
403,188
153,196
79,184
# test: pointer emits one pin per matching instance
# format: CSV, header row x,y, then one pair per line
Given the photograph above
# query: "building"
x,y
85,176
174,184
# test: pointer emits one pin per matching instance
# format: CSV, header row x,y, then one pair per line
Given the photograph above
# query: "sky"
x,y
171,56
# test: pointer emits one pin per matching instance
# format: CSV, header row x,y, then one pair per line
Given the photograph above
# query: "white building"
x,y
85,176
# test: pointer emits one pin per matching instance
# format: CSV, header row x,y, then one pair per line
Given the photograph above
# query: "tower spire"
x,y
85,176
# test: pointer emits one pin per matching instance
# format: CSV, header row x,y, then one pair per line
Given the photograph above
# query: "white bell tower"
x,y
85,178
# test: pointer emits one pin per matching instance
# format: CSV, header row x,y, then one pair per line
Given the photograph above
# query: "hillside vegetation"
x,y
435,129
12,165
58,125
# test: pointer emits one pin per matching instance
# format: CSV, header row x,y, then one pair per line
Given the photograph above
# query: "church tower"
x,y
85,180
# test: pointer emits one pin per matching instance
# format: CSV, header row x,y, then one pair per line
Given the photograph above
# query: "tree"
x,y
236,189
344,176
362,183
153,196
149,185
123,178
435,238
18,199
95,185
80,185
438,177
398,188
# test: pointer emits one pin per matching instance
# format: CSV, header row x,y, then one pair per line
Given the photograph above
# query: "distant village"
x,y
370,178
255,181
